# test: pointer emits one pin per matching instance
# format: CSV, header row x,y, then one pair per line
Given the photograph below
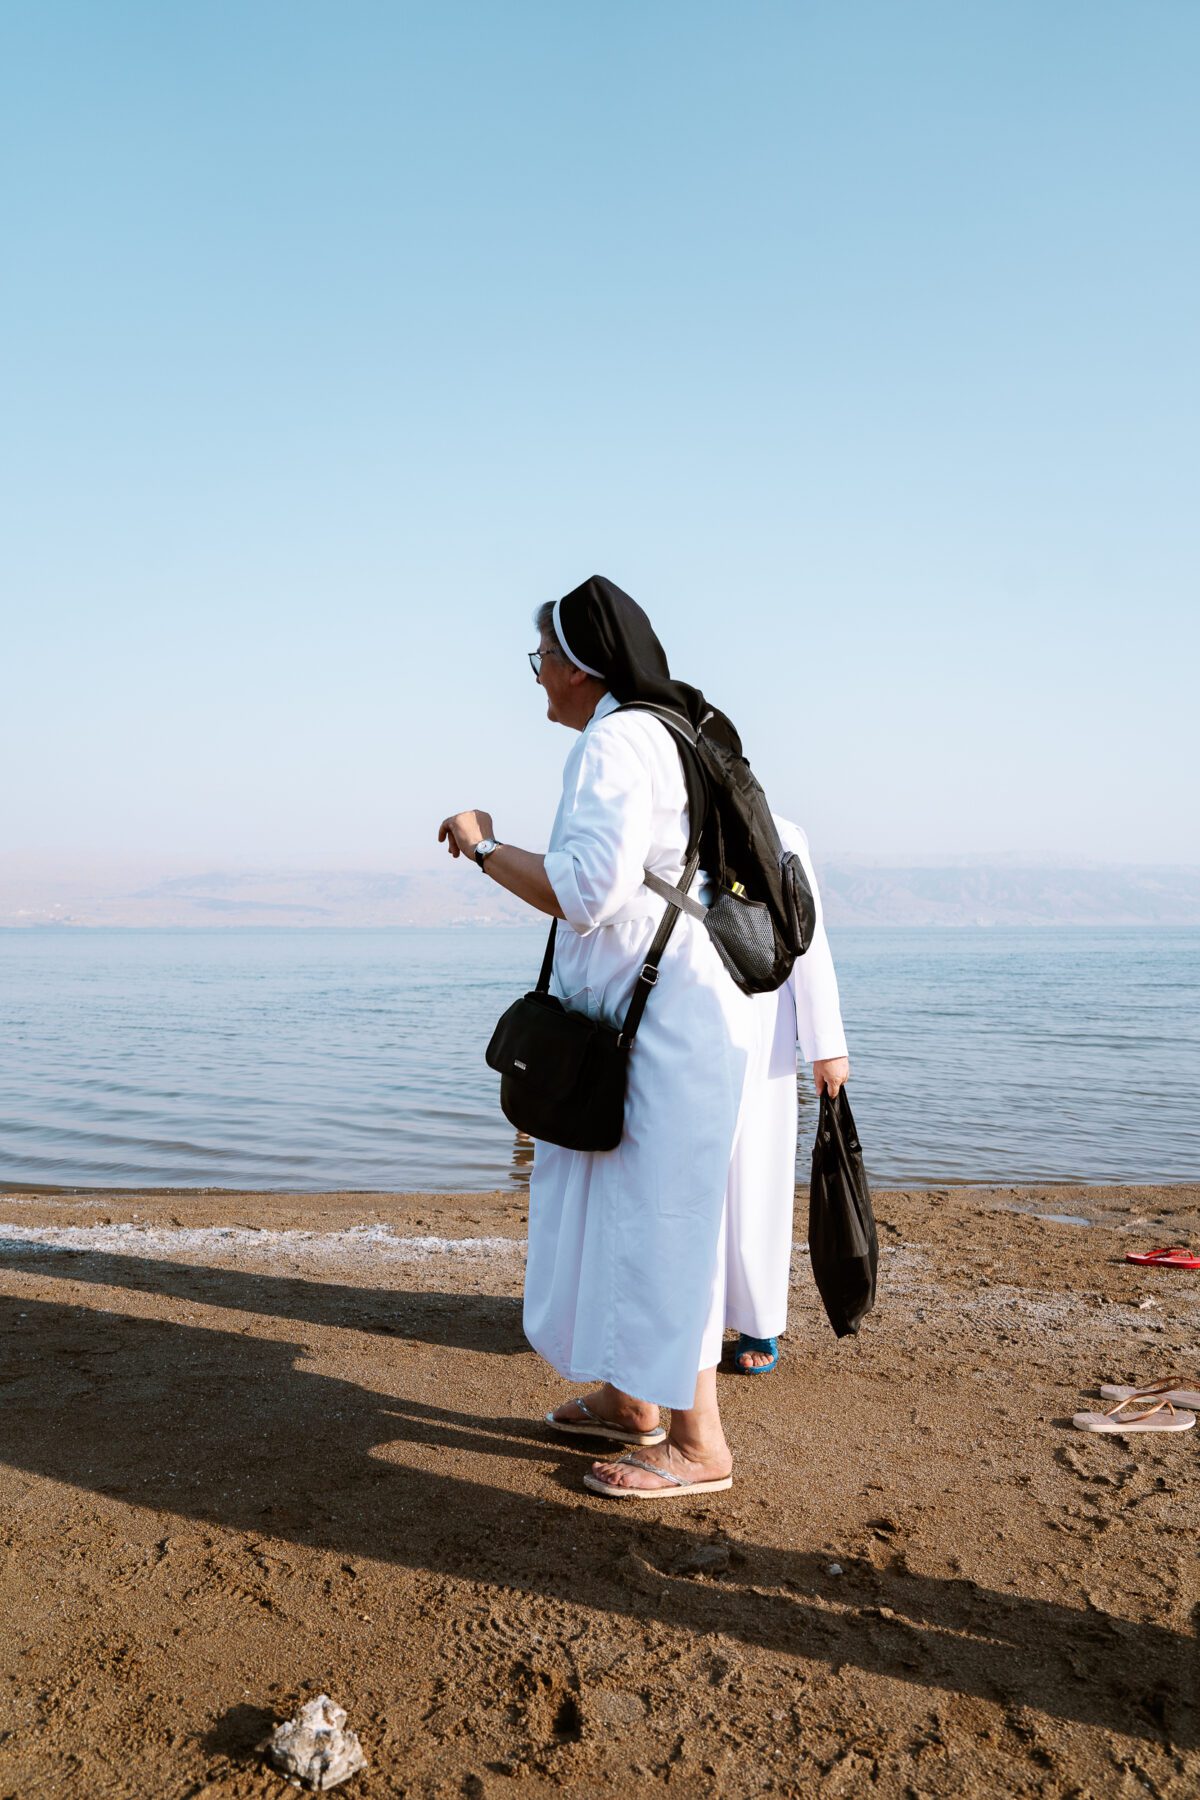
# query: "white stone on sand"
x,y
314,1748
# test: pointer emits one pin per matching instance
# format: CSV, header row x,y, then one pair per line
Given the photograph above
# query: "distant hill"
x,y
855,890
448,895
1002,895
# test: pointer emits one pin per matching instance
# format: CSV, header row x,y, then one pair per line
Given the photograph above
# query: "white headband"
x,y
558,632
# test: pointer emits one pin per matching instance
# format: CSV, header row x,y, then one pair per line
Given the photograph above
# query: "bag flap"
x,y
539,1041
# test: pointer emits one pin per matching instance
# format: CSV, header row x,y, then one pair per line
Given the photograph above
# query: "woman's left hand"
x,y
462,831
831,1074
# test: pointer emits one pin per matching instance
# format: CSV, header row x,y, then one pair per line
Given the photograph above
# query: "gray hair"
x,y
543,618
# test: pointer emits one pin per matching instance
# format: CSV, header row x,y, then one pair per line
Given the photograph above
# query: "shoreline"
x,y
13,1191
235,1474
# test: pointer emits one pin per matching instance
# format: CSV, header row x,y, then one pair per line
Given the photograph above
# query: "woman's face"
x,y
555,680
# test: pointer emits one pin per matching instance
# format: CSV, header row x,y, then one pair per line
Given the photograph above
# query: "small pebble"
x,y
834,1569
704,1559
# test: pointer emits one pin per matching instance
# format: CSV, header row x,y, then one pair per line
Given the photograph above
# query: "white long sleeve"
x,y
602,835
813,981
623,810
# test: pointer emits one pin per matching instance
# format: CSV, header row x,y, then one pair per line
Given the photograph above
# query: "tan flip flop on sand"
x,y
676,1485
1161,1416
592,1425
1158,1390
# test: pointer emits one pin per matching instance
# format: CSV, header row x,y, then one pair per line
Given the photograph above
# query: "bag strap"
x,y
648,973
677,899
543,980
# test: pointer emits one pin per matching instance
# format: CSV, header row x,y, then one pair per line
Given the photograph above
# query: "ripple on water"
x,y
313,1060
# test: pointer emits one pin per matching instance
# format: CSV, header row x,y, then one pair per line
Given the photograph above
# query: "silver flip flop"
x,y
675,1488
1137,1417
592,1425
1173,1391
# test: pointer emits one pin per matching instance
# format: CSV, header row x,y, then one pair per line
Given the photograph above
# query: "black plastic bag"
x,y
841,1220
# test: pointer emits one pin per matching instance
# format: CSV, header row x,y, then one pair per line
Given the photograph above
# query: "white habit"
x,y
754,1251
635,1253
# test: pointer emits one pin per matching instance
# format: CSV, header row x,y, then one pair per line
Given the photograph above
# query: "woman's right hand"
x,y
462,831
831,1074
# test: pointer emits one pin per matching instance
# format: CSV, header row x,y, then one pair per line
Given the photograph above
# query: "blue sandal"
x,y
769,1347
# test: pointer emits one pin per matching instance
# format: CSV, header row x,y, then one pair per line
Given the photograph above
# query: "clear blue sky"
x,y
858,341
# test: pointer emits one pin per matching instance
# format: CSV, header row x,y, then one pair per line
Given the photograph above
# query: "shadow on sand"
x,y
488,1322
202,1424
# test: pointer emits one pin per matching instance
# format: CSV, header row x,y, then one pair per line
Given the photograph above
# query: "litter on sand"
x,y
314,1749
1142,1413
1170,1256
1171,1390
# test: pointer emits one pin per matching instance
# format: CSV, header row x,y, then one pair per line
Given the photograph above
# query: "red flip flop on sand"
x,y
1171,1256
1161,1416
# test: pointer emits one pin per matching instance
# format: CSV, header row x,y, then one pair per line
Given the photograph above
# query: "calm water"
x,y
354,1059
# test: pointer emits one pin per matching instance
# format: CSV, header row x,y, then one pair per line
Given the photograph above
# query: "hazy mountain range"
x,y
856,891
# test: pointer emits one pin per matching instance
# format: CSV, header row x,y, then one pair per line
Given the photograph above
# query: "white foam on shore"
x,y
377,1242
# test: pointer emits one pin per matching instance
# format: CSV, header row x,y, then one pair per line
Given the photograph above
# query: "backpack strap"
x,y
687,740
672,895
648,973
678,722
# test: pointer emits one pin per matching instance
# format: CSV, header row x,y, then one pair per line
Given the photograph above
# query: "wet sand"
x,y
238,1470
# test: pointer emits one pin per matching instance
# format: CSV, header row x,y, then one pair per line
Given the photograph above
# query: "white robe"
x,y
623,1267
749,1290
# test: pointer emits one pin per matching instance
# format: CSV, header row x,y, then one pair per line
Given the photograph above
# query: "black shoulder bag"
x,y
562,1075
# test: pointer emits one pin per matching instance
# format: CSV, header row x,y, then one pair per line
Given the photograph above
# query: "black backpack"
x,y
764,914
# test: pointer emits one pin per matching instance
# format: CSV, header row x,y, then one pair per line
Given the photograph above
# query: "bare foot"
x,y
713,1464
614,1407
754,1359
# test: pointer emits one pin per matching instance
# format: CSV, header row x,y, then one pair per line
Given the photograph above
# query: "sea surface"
x,y
319,1059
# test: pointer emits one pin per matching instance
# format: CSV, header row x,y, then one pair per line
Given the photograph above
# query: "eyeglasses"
x,y
536,658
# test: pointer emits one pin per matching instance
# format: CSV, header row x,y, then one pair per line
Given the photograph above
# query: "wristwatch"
x,y
483,850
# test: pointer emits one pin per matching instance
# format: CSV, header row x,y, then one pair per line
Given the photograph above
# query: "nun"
x,y
750,1289
640,1257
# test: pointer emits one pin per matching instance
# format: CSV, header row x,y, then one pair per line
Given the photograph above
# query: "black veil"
x,y
605,632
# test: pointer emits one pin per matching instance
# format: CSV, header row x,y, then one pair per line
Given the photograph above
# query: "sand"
x,y
260,1446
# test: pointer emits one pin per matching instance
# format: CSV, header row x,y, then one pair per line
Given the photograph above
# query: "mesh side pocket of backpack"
x,y
745,939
